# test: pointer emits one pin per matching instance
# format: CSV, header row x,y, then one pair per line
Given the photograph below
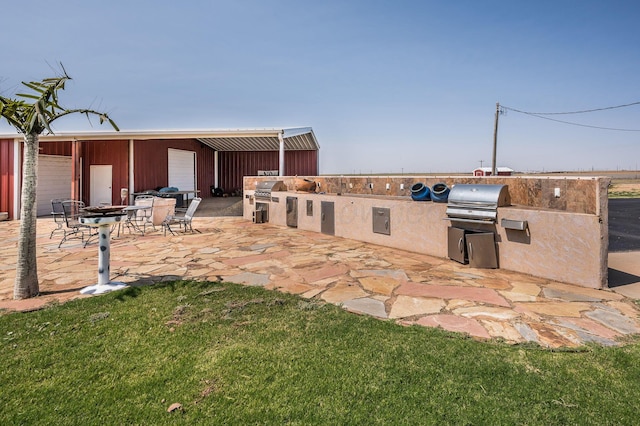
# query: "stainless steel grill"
x,y
477,203
265,188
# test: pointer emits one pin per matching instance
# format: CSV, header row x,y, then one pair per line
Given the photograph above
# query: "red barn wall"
x,y
6,176
151,168
114,153
234,165
301,163
55,148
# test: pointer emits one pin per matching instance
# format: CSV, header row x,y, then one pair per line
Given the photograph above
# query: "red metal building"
x,y
96,166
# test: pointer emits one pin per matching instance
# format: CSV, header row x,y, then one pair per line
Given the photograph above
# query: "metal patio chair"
x,y
183,221
58,215
139,215
145,217
72,211
140,218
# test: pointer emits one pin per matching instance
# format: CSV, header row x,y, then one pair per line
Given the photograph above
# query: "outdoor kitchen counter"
x,y
353,218
556,245
562,246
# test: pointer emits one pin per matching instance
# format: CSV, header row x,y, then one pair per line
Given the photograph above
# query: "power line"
x,y
573,112
501,109
542,115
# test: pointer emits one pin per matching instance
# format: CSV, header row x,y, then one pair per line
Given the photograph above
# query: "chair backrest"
x,y
72,210
57,211
56,206
192,208
144,200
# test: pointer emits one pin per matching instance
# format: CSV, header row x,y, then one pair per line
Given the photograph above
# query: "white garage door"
x,y
182,169
54,181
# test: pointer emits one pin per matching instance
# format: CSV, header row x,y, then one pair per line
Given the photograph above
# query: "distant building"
x,y
487,171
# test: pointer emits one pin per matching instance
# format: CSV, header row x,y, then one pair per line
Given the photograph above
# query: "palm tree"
x,y
32,115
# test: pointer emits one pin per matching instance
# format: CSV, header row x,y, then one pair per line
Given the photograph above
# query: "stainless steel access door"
x,y
457,249
481,250
327,218
292,211
261,214
381,220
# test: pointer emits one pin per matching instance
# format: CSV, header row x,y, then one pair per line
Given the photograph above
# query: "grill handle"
x,y
460,245
470,251
455,219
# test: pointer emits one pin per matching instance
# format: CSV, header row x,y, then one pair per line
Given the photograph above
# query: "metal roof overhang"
x,y
295,139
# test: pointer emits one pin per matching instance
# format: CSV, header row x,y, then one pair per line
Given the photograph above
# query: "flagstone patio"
x,y
391,284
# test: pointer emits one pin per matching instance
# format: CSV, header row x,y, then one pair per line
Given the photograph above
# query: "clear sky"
x,y
392,86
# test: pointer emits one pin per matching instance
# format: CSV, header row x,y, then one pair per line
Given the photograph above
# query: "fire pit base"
x,y
103,288
103,223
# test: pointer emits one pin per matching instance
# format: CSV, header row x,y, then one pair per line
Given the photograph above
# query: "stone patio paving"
x,y
391,284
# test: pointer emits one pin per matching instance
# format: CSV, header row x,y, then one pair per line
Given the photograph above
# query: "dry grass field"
x,y
624,189
624,185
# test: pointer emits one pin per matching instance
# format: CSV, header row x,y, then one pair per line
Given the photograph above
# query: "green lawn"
x,y
239,355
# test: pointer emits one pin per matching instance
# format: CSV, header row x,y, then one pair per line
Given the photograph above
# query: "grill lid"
x,y
266,187
271,185
477,202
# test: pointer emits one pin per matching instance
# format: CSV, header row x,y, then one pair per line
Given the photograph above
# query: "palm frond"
x,y
113,124
88,113
36,86
37,117
27,95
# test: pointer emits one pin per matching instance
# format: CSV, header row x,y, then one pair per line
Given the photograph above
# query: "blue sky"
x,y
388,86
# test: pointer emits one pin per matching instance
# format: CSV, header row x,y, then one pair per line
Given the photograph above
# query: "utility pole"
x,y
494,169
481,161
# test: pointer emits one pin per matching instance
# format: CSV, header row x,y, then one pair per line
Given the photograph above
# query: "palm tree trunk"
x,y
26,284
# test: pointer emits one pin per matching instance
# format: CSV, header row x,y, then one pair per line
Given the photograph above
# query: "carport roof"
x,y
295,139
